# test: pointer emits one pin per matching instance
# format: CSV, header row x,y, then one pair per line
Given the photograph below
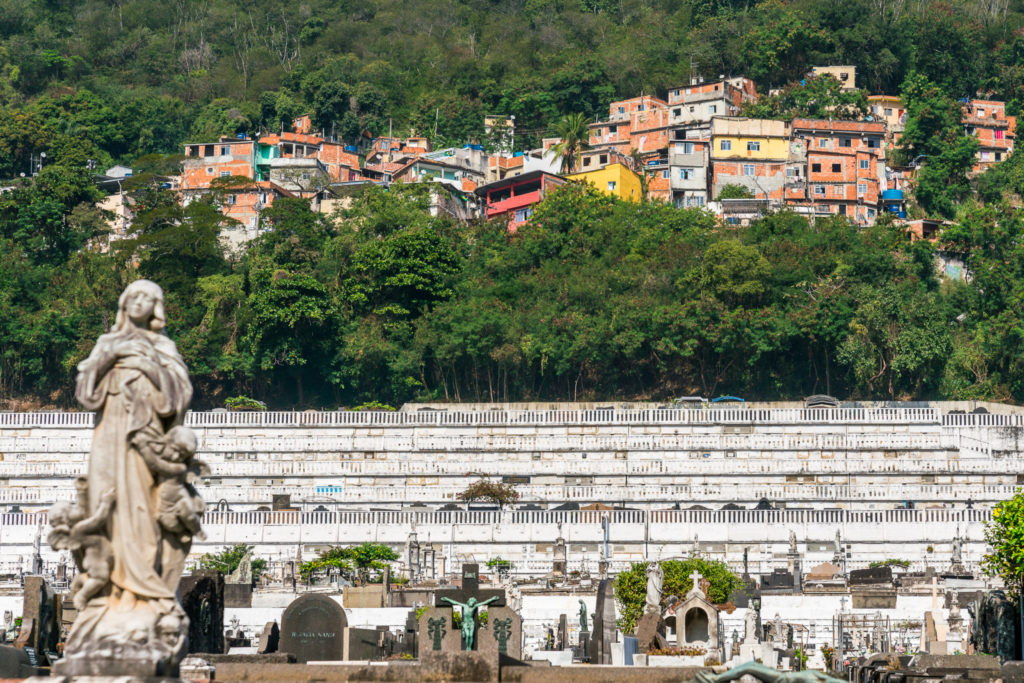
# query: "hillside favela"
x,y
531,340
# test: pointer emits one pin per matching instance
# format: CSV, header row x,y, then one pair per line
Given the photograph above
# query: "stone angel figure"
x,y
137,510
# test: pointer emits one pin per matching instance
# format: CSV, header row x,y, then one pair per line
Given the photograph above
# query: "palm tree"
x,y
574,131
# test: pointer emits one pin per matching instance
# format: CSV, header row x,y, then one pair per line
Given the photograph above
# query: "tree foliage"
x,y
1005,536
493,491
361,562
227,560
631,585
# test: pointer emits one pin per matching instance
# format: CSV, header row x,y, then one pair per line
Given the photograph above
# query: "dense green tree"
x,y
631,585
814,97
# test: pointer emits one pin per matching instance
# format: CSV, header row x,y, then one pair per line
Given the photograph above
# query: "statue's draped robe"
x,y
146,565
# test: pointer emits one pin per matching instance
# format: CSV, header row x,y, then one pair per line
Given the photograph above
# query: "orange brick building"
x,y
987,121
845,167
640,123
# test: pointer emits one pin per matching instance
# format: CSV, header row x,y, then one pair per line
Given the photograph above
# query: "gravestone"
x,y
604,624
779,579
40,617
15,663
871,575
435,632
503,634
994,627
562,640
312,629
202,597
270,638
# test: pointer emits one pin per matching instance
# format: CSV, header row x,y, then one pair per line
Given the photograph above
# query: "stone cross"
x,y
471,589
695,589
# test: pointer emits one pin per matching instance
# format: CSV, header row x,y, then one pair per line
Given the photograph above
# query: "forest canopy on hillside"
x,y
115,80
594,298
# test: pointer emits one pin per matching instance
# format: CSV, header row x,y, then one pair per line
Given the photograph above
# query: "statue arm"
x,y
488,600
94,524
453,602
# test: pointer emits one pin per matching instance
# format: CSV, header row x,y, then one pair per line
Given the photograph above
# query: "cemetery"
x,y
784,543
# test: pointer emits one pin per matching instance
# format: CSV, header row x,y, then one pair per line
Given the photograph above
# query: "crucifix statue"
x,y
469,609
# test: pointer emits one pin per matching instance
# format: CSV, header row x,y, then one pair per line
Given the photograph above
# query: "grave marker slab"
x,y
503,634
202,597
312,629
270,638
436,633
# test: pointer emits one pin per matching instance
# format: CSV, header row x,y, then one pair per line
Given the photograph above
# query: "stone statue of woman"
x,y
132,526
655,582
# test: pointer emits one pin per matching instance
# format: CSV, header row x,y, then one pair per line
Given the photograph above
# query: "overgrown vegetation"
x,y
227,560
631,586
123,81
1005,536
491,491
363,563
593,298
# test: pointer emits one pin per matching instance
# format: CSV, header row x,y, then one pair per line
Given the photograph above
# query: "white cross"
x,y
695,577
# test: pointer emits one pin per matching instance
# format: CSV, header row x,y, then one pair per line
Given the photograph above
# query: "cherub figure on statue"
x,y
85,536
171,459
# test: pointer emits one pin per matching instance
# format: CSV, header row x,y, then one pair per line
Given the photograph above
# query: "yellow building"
x,y
751,153
615,179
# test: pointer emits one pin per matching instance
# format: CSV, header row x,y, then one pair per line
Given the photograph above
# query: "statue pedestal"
x,y
107,666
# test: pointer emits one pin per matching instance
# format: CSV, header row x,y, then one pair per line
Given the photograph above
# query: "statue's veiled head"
x,y
141,305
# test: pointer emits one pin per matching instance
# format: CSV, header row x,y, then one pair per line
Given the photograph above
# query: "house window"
x,y
862,188
754,146
612,129
865,164
748,169
871,213
712,109
981,113
726,145
677,112
822,142
611,185
225,174
888,112
523,214
873,143
586,161
622,110
819,190
845,142
665,174
603,160
693,109
999,156
1000,134
815,168
837,168
305,176
675,93
686,174
687,148
209,170
640,108
230,200
225,150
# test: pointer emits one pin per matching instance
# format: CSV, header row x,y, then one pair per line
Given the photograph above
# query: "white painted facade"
x,y
361,476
